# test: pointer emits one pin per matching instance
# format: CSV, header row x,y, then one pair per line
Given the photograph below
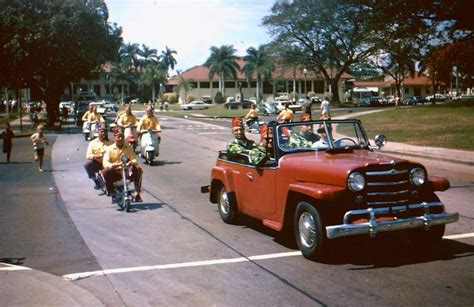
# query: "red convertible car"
x,y
323,180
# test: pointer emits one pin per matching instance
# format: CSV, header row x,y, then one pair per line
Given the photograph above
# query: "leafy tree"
x,y
331,35
151,75
219,98
258,63
222,62
128,53
51,43
147,56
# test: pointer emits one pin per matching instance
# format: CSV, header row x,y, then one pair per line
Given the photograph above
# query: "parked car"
x,y
315,99
439,97
280,106
207,99
266,108
69,105
195,105
464,98
368,102
339,187
413,100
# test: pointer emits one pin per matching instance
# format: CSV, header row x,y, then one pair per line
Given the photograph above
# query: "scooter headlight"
x,y
417,176
356,182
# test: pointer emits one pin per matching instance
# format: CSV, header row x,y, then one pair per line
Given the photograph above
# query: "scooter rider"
x,y
149,121
95,154
113,165
127,120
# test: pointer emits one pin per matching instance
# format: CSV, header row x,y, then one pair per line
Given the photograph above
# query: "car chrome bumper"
x,y
372,227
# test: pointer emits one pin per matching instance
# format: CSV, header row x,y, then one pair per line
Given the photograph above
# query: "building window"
x,y
97,90
407,90
215,84
244,84
253,84
319,86
229,84
204,84
193,84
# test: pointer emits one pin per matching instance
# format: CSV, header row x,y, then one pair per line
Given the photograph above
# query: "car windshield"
x,y
319,135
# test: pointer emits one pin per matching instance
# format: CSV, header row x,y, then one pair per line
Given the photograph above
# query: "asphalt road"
x,y
174,249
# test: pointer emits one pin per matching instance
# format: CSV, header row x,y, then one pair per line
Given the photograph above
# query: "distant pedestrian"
x,y
39,140
325,115
7,136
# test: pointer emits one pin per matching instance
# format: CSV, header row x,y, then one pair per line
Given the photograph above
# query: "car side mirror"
x,y
380,140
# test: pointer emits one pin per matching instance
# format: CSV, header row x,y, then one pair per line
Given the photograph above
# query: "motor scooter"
x,y
150,145
89,129
253,126
130,134
123,193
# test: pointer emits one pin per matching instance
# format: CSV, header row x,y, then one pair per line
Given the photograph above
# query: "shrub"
x,y
218,98
170,97
191,98
311,94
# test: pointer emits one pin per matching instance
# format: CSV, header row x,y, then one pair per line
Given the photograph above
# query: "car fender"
x,y
224,175
322,192
438,183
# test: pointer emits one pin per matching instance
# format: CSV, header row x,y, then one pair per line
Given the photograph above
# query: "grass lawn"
x,y
448,125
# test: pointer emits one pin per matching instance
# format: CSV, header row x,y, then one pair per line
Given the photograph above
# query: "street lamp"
x,y
305,71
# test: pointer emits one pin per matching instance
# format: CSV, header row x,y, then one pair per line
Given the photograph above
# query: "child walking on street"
x,y
7,136
39,140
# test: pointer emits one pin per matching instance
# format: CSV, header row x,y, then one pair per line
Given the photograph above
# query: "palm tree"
x,y
147,56
119,73
167,59
258,63
222,62
128,53
151,75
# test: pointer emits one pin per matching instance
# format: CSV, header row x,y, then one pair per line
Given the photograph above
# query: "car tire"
x,y
227,206
309,232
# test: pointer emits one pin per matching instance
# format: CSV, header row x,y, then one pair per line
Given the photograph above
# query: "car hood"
x,y
332,168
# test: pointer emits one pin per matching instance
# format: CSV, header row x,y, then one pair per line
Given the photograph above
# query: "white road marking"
x,y
82,275
459,236
11,267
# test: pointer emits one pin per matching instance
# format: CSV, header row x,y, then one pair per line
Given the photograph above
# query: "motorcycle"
x,y
150,145
89,129
123,193
253,126
130,135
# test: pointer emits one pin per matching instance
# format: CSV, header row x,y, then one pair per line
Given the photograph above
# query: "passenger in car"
x,y
305,137
241,145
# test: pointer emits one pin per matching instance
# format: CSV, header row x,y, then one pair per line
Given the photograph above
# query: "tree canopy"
x,y
47,44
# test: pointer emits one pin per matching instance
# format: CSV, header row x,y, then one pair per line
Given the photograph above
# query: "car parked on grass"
x,y
195,105
336,186
464,98
439,97
414,100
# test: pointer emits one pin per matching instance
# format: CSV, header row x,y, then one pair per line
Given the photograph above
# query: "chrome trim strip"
x,y
378,203
387,193
390,172
372,227
379,184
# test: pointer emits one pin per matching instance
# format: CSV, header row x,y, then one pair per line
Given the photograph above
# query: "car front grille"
x,y
388,184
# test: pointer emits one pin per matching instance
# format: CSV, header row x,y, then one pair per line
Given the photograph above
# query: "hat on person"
x,y
237,122
305,117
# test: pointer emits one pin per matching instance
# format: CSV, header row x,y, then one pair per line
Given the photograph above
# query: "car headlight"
x,y
417,176
356,182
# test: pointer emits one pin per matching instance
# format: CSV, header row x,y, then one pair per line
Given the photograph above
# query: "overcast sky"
x,y
191,27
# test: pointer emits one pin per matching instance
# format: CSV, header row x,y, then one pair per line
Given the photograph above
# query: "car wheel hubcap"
x,y
307,230
224,204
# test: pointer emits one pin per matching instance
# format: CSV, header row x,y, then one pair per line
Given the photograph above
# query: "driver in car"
x,y
113,165
305,137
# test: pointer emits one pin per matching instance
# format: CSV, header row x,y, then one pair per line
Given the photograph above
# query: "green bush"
x,y
170,97
218,98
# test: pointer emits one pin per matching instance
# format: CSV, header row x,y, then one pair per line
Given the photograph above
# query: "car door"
x,y
256,190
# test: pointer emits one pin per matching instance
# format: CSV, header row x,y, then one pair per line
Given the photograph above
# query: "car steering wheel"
x,y
344,139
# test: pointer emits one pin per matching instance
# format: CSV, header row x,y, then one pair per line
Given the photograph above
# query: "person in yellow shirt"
x,y
85,116
148,121
127,118
286,115
95,154
113,165
95,116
